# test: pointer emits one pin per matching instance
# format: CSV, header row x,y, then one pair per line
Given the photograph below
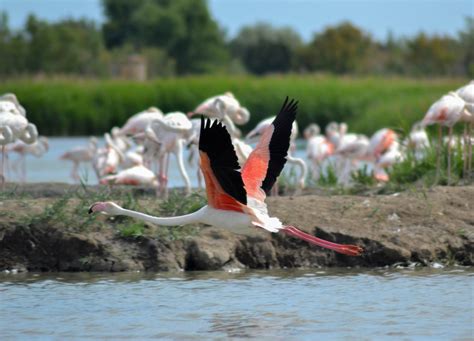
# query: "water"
x,y
280,305
49,168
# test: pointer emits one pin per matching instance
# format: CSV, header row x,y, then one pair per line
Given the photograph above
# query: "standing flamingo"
x,y
37,149
318,149
80,154
467,94
140,121
14,125
236,200
169,135
227,109
418,141
446,111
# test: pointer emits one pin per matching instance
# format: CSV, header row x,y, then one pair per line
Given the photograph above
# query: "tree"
x,y
263,48
12,49
434,55
183,29
466,39
338,49
68,46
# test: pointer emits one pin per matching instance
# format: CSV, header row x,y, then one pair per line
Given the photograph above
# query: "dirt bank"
x,y
42,231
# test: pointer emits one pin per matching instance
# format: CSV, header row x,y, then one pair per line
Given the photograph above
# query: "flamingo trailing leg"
x,y
236,199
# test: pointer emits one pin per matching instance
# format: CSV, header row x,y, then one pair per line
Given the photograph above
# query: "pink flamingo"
x,y
134,176
258,131
446,111
236,200
467,94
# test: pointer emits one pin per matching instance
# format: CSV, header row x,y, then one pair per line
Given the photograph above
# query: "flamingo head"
x,y
108,208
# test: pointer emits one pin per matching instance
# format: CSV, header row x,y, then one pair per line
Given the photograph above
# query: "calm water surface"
x,y
278,305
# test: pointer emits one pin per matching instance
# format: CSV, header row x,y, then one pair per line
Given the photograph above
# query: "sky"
x,y
377,17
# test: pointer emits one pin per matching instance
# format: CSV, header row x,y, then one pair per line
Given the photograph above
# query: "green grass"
x,y
83,107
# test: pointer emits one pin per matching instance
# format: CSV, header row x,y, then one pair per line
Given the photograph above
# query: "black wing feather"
x,y
280,142
215,141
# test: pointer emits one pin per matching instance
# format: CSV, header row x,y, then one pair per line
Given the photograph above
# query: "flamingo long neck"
x,y
300,163
166,221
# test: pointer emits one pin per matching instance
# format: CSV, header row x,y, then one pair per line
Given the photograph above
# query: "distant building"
x,y
134,67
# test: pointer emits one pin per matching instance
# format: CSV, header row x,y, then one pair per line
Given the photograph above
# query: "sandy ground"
x,y
415,227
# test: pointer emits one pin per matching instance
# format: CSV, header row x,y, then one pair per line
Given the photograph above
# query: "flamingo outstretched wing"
x,y
224,185
266,162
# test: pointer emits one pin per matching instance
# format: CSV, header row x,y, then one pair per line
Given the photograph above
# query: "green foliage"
x,y
412,170
431,55
68,46
339,49
362,177
85,107
132,230
328,178
183,29
263,48
466,40
178,203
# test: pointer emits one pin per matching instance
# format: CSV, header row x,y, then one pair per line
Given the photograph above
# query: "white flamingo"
x,y
37,149
140,121
351,149
169,135
417,141
467,94
318,149
446,111
80,154
134,176
225,108
13,125
390,157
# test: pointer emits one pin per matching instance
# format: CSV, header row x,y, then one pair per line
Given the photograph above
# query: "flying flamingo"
x,y
261,128
446,111
236,199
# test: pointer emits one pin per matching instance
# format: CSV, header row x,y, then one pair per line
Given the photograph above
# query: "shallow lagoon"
x,y
279,305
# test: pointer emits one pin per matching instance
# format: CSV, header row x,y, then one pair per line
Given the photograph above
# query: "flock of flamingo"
x,y
237,176
138,153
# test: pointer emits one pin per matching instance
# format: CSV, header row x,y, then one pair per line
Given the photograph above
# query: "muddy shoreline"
x,y
44,227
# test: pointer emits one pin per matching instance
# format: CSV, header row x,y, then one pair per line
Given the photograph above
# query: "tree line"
x,y
180,37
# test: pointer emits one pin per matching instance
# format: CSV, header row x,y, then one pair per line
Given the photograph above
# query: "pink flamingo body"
x,y
134,176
